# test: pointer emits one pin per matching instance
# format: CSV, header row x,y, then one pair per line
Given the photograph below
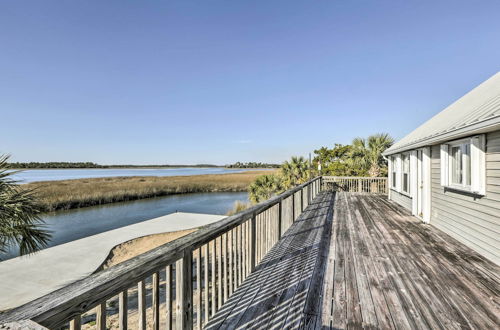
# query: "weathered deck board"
x,y
360,261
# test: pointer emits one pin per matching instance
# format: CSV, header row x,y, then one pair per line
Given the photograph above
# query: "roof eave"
x,y
485,126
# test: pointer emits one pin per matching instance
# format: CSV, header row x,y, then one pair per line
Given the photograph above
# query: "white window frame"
x,y
394,170
466,169
402,173
477,170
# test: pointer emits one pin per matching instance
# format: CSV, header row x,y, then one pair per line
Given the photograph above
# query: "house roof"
x,y
478,111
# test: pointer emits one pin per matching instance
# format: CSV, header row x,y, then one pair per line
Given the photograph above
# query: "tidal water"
x,y
27,176
70,225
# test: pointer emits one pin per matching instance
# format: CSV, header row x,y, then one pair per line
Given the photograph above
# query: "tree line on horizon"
x,y
64,165
252,165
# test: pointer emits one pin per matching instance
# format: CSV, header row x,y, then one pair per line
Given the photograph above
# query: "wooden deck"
x,y
359,261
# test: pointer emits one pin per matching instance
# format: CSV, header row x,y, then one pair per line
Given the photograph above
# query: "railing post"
x,y
360,188
293,207
184,291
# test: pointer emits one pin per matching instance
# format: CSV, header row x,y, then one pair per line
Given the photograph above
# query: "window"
x,y
405,173
463,164
393,172
460,169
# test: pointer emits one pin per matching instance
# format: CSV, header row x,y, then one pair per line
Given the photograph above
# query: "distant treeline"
x,y
55,165
19,165
253,165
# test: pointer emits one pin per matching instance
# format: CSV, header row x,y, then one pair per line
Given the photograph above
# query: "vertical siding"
x,y
473,221
401,199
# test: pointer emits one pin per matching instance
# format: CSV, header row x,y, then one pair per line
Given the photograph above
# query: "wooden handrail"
x,y
70,302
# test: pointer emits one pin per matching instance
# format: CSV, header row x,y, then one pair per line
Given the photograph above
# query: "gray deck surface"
x,y
361,261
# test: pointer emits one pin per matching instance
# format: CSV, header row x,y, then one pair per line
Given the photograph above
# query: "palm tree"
x,y
20,224
295,171
366,154
264,187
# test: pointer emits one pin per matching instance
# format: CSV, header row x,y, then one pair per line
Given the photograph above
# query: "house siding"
x,y
401,199
473,221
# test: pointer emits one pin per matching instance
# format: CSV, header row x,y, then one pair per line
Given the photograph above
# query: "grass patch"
x,y
238,207
70,194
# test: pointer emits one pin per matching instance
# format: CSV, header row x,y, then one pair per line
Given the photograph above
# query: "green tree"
x,y
366,154
20,224
333,161
264,187
295,171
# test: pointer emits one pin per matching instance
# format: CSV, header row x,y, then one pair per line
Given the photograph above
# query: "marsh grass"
x,y
70,194
238,207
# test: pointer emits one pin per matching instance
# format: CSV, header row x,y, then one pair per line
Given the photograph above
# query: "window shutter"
x,y
444,165
389,170
478,164
414,180
398,173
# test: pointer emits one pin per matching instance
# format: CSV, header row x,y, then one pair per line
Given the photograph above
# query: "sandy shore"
x,y
137,246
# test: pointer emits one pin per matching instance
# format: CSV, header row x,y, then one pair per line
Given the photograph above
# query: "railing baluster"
x,y
301,200
248,246
156,301
244,248
207,284
76,323
123,310
259,237
231,264
198,288
280,219
219,272
168,296
253,251
213,278
225,266
240,257
141,304
101,316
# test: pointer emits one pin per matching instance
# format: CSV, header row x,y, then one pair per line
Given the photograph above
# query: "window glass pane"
x,y
393,172
406,173
456,165
467,168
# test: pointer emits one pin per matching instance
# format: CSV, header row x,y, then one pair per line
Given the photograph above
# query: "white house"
x,y
447,171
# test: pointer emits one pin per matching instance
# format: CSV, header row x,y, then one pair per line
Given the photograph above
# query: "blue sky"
x,y
143,82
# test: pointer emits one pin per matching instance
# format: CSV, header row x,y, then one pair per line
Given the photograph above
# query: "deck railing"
x,y
355,184
178,285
